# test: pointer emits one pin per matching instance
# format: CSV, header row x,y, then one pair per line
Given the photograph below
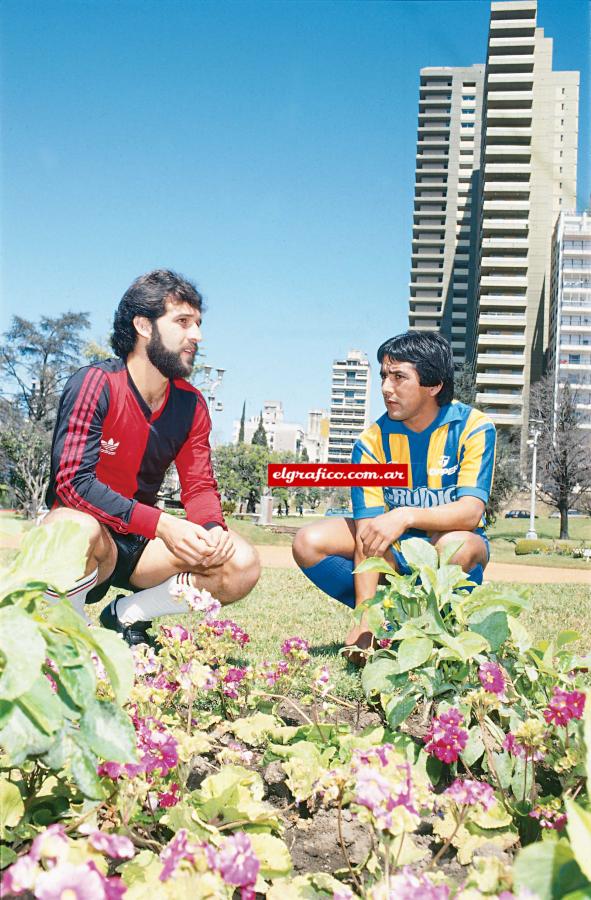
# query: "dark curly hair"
x,y
431,356
147,297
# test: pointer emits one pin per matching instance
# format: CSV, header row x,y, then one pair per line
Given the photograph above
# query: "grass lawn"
x,y
505,532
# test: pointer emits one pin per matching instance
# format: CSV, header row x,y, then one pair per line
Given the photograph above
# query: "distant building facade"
x,y
569,352
349,404
316,436
281,435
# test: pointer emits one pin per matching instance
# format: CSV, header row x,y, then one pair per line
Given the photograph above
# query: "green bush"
x,y
525,545
228,507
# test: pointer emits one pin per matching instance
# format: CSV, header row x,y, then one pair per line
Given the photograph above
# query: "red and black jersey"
x,y
110,452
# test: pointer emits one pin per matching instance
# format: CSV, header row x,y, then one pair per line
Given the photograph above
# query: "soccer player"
x,y
120,424
450,451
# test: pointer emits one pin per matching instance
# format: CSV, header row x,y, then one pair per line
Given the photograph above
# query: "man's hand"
x,y
358,643
194,544
374,536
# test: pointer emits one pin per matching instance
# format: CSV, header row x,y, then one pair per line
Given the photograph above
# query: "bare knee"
x,y
308,546
241,574
472,551
100,546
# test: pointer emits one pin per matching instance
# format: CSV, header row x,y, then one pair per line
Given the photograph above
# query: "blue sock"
x,y
334,576
476,574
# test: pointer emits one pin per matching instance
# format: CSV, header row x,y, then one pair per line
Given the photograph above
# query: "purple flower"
x,y
117,846
226,628
492,678
175,633
519,746
232,677
445,739
74,882
564,706
145,661
406,885
170,797
550,816
381,795
296,649
272,674
178,849
21,876
467,792
202,601
236,861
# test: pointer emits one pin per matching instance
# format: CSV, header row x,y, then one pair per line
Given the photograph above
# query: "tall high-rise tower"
x,y
529,159
447,189
481,269
349,404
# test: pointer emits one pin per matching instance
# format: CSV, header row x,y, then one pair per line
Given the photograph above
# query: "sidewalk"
x,y
274,557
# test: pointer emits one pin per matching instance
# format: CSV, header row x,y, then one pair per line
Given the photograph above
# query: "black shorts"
x,y
129,549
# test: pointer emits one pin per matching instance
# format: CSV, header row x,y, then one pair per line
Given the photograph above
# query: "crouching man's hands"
x,y
194,544
374,536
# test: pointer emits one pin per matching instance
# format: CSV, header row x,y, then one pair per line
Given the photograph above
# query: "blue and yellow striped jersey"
x,y
454,457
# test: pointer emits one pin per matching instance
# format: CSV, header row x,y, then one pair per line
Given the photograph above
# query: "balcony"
x,y
501,340
500,300
502,205
507,190
508,399
498,358
507,152
512,281
511,25
509,131
498,98
499,378
498,243
491,168
499,80
505,225
519,263
500,319
505,418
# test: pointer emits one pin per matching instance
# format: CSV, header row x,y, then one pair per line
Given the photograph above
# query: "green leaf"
x,y
7,856
474,747
272,853
43,706
413,652
448,551
579,832
22,652
587,734
108,732
494,628
398,710
376,564
540,868
20,737
566,637
420,554
377,676
83,764
12,808
54,555
117,659
255,729
519,634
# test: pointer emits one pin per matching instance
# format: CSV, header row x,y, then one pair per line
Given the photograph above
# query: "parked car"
x,y
338,511
517,514
571,513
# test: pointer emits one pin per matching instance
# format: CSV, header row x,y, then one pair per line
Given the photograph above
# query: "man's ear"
x,y
143,326
436,389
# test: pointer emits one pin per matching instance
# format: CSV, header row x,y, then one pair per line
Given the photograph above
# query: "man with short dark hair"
x,y
450,450
120,424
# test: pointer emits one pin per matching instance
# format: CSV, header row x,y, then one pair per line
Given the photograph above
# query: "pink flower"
x,y
226,628
272,674
321,683
515,747
21,876
170,797
202,601
467,792
51,845
176,633
381,796
296,650
145,661
549,816
74,882
236,861
492,678
178,849
445,739
406,885
117,846
564,706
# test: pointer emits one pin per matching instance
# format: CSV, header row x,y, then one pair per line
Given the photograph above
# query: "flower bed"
x,y
193,772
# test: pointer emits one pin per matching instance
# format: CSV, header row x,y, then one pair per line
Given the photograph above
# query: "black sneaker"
x,y
136,633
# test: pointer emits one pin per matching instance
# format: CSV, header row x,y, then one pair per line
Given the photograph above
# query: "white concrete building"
x,y
281,435
569,353
349,404
316,436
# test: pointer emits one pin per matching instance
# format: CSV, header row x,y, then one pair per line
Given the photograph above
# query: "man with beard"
x,y
120,424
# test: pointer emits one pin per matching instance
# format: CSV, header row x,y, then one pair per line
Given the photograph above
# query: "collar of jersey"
x,y
448,413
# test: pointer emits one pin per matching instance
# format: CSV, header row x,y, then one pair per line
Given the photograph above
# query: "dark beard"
x,y
168,363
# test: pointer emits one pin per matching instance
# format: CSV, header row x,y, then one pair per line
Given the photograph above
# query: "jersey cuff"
x,y
472,492
370,512
144,520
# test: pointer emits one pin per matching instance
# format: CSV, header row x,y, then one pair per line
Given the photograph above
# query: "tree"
x,y
465,384
304,455
37,358
242,420
314,498
259,438
563,470
24,458
241,472
506,475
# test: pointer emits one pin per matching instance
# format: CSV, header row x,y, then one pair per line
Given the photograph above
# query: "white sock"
x,y
76,594
153,602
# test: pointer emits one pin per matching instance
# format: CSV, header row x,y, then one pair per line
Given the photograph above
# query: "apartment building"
x,y
523,175
445,220
528,160
349,404
316,436
569,353
281,435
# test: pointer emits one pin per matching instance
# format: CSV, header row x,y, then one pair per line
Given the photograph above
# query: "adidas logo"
x,y
109,447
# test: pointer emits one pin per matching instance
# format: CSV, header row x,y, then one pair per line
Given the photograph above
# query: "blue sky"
x,y
263,149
